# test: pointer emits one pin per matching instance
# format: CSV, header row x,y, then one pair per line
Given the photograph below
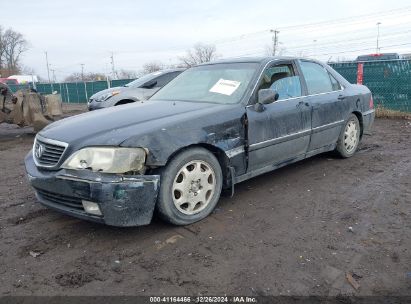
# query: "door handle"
x,y
303,103
341,97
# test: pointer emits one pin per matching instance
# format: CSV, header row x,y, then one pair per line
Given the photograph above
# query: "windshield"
x,y
142,80
217,83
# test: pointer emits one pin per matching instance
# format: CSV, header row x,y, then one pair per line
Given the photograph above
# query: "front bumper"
x,y
124,200
94,105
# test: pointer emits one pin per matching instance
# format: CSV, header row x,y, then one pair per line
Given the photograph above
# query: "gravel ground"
x,y
283,233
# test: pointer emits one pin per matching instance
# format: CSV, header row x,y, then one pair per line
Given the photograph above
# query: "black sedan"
x,y
213,126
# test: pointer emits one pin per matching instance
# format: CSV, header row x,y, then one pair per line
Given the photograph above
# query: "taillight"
x,y
371,102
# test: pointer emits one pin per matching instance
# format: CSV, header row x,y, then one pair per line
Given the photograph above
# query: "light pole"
x,y
53,80
48,67
82,71
378,37
113,70
315,47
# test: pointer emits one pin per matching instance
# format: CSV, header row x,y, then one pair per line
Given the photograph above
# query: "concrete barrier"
x,y
54,105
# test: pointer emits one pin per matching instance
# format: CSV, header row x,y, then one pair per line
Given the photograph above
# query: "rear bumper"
x,y
127,200
368,121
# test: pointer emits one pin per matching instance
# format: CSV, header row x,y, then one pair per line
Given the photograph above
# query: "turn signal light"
x,y
91,207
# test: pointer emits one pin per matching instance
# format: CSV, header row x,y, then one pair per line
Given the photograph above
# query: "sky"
x,y
136,32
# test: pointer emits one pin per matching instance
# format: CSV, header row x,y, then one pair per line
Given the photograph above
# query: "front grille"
x,y
64,200
47,152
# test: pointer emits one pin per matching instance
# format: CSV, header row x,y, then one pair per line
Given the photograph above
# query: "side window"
x,y
335,84
166,78
317,77
283,79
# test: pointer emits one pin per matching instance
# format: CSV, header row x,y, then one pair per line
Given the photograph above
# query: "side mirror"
x,y
149,84
265,96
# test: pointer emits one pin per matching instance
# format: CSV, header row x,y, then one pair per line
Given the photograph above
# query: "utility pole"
x,y
54,75
378,37
82,71
315,47
113,70
275,41
48,68
106,72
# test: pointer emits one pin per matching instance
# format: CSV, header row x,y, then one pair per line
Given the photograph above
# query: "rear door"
x,y
281,131
326,96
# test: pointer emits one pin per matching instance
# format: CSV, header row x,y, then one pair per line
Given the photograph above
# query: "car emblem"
x,y
39,150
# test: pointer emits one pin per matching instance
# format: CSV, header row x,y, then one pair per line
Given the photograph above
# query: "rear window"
x,y
317,78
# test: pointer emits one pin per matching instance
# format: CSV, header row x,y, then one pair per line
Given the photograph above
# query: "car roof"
x,y
172,70
261,60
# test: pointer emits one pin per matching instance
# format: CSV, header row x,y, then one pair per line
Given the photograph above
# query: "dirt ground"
x,y
283,233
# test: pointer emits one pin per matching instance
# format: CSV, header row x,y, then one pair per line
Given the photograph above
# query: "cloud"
x,y
75,32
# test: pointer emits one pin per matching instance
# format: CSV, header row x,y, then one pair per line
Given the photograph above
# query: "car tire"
x,y
190,187
349,138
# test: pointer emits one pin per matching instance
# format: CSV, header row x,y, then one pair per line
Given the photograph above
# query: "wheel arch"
x,y
360,119
219,153
124,101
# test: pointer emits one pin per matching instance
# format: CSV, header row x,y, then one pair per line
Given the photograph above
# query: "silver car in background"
x,y
139,89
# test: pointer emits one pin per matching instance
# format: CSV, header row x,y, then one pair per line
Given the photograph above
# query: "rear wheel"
x,y
190,187
349,138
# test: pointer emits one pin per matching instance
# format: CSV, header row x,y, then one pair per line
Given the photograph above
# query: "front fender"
x,y
224,130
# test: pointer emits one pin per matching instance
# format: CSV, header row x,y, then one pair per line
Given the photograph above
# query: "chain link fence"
x,y
74,92
388,80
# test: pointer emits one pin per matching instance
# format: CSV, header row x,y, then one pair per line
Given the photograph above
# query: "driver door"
x,y
280,132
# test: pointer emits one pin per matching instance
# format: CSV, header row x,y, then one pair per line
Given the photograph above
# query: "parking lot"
x,y
296,231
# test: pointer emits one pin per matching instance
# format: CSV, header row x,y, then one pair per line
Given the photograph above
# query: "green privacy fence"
x,y
388,80
74,92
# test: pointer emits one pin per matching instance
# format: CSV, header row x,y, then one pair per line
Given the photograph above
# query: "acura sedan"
x,y
215,125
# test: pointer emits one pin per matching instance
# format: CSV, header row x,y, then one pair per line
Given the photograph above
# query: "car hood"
x,y
126,93
101,93
112,126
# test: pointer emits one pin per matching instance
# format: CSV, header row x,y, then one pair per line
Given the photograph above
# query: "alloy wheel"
x,y
193,187
350,136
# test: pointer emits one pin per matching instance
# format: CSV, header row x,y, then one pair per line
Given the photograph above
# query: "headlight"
x,y
107,96
108,160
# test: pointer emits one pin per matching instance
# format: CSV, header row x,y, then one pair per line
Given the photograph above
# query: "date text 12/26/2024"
x,y
204,299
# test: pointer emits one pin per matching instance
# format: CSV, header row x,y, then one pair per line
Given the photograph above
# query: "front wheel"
x,y
349,138
190,187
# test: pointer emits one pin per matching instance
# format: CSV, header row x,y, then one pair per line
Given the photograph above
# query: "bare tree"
x,y
13,45
152,66
199,54
179,65
78,77
126,74
26,70
2,47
